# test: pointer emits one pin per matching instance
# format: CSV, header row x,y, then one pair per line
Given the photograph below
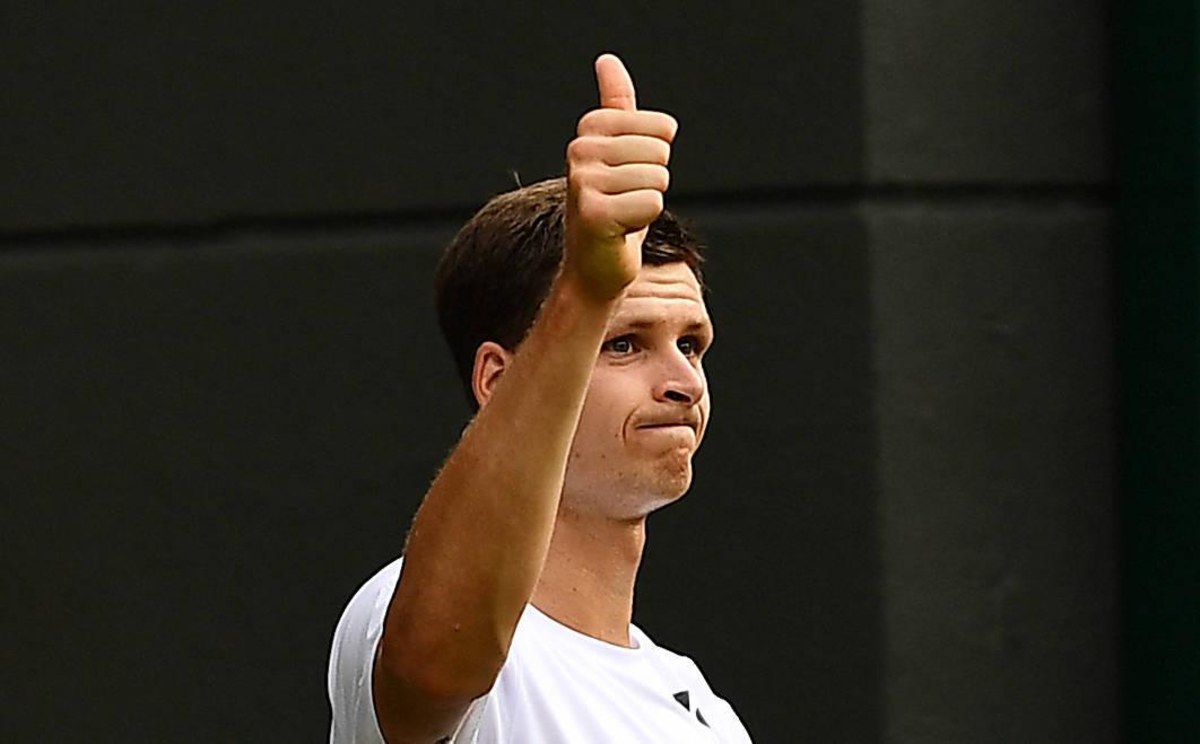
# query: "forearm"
x,y
478,542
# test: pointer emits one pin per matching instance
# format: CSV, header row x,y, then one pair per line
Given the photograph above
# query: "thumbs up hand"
x,y
616,177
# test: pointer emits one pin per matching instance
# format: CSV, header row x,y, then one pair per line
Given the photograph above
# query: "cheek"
x,y
705,413
610,402
598,431
609,386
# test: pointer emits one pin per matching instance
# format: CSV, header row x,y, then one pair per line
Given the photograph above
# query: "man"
x,y
577,320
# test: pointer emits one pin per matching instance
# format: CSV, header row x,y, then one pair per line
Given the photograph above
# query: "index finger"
x,y
615,84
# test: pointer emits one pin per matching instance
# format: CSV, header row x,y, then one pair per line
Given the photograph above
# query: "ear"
x,y
491,359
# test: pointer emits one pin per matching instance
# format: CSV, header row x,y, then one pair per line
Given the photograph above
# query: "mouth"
x,y
669,426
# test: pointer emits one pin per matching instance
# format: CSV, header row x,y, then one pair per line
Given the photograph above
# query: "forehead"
x,y
663,293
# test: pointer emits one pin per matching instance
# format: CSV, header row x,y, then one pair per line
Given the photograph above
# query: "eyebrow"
x,y
642,325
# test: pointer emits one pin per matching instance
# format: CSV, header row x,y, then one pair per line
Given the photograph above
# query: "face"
x,y
647,405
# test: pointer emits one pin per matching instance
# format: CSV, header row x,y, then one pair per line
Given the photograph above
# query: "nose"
x,y
682,380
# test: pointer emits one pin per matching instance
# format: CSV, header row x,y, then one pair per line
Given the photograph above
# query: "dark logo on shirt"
x,y
685,699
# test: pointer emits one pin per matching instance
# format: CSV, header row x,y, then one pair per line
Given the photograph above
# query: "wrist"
x,y
597,290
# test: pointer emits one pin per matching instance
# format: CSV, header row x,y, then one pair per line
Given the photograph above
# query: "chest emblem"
x,y
685,699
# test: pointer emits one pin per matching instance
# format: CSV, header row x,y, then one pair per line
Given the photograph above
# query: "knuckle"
x,y
665,125
583,128
663,152
593,122
578,150
581,178
590,204
654,177
664,178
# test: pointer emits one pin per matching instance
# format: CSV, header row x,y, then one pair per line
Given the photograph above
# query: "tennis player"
x,y
575,312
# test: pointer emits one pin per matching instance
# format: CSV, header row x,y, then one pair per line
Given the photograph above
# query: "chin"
x,y
665,490
633,494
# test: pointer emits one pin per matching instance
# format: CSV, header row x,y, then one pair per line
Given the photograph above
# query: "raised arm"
x,y
480,538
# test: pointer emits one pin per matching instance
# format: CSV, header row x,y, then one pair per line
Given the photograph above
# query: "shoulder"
x,y
709,707
680,665
363,616
352,664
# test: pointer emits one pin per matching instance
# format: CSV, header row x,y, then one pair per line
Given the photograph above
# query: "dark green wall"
x,y
222,392
1159,210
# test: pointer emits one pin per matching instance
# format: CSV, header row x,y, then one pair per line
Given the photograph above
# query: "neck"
x,y
587,580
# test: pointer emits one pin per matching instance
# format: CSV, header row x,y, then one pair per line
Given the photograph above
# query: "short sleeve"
x,y
352,664
352,660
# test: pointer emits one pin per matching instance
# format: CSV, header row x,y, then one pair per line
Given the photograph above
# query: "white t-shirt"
x,y
558,686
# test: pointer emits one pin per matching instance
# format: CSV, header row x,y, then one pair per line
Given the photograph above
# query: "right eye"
x,y
620,345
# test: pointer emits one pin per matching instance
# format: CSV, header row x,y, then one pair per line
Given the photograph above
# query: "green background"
x,y
222,392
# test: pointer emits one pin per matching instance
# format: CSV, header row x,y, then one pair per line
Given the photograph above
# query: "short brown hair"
x,y
497,271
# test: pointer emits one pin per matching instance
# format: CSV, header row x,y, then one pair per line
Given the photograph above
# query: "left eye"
x,y
689,346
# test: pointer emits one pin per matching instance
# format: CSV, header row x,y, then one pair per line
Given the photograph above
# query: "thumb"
x,y
616,87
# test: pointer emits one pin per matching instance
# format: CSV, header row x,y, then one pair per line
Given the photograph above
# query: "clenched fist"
x,y
616,177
